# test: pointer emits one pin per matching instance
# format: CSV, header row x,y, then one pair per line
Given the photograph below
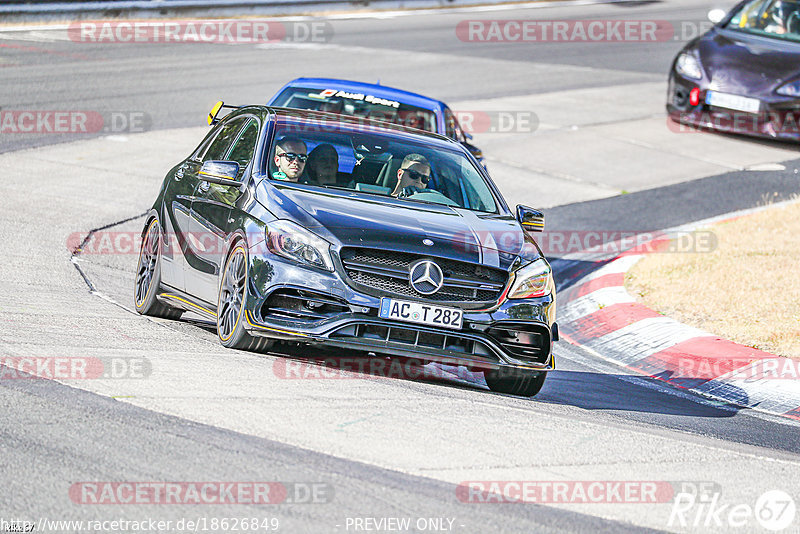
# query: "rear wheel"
x,y
231,304
148,276
515,382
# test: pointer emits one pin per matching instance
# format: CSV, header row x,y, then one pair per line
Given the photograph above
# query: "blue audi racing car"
x,y
301,227
374,101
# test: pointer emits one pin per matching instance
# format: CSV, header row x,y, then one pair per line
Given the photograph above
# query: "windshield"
x,y
333,155
772,18
357,105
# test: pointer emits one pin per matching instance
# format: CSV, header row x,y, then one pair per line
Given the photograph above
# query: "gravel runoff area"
x,y
745,290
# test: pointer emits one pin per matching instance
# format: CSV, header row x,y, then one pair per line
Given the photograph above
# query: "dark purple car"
x,y
743,75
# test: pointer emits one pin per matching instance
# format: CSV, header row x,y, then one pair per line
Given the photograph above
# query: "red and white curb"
x,y
602,317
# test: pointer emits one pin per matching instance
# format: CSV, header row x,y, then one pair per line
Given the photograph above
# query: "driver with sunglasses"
x,y
290,158
413,175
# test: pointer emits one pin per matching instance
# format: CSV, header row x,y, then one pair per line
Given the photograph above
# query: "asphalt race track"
x,y
600,157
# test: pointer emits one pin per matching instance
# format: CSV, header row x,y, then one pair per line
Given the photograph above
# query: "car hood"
x,y
746,64
354,219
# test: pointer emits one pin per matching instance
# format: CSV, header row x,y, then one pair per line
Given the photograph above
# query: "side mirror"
x,y
716,15
530,219
220,172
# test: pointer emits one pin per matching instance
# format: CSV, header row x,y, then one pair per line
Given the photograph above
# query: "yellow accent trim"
x,y
247,318
176,297
206,173
236,325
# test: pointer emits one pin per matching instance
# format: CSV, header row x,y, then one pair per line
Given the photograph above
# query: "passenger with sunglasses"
x,y
290,158
414,172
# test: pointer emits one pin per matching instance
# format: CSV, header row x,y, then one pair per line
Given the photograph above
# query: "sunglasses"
x,y
415,175
291,156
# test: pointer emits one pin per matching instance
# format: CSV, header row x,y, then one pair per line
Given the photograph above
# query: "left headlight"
x,y
533,280
789,89
294,242
689,66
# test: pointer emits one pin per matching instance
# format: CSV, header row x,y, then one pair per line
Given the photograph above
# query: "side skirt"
x,y
179,299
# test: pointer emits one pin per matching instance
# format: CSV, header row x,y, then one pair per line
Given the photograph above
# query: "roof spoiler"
x,y
212,115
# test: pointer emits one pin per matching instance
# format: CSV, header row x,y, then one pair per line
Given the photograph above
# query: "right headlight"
x,y
688,65
533,280
294,242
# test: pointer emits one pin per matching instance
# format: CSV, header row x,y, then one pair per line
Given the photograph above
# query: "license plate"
x,y
735,102
420,313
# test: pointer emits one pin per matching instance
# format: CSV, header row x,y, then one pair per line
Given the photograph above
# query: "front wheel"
x,y
515,382
231,304
148,276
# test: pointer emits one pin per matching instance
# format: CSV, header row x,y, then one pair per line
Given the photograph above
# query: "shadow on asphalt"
x,y
672,205
597,391
585,390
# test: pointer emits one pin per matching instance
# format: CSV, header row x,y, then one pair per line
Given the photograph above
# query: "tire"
x,y
231,301
514,382
148,276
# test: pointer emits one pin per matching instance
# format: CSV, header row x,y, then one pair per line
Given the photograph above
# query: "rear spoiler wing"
x,y
212,115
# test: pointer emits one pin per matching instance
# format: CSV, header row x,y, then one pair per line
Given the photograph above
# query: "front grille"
x,y
381,272
444,343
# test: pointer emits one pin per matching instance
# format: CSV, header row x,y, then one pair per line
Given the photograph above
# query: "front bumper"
x,y
290,302
779,117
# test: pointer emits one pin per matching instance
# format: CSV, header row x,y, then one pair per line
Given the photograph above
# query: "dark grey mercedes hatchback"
x,y
353,234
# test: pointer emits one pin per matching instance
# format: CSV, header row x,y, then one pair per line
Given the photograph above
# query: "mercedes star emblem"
x,y
425,277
